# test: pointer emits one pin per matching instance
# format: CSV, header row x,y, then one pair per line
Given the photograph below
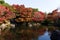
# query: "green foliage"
x,y
5,4
47,22
2,1
35,9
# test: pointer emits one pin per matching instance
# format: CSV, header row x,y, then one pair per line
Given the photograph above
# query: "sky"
x,y
42,5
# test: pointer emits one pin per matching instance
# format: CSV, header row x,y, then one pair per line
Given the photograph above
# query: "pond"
x,y
45,36
26,34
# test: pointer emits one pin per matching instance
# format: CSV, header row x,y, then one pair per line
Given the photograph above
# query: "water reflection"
x,y
26,34
45,36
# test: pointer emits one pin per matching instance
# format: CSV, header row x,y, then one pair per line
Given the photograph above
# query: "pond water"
x,y
40,34
45,36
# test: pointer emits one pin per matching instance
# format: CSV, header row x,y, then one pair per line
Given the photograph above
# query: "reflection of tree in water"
x,y
22,34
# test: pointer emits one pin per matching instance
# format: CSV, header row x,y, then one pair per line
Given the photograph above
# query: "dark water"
x,y
45,36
